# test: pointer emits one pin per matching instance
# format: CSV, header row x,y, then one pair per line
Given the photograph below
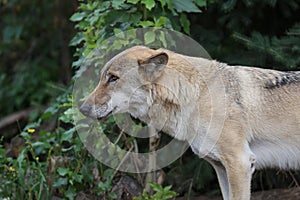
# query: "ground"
x,y
276,194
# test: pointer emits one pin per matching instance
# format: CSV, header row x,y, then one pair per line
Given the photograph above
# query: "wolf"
x,y
257,110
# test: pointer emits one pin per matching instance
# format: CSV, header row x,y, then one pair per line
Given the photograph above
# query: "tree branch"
x,y
14,117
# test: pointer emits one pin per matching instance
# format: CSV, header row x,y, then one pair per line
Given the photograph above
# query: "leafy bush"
x,y
52,160
284,50
160,193
99,20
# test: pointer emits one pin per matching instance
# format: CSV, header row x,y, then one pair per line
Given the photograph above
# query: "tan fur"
x,y
258,110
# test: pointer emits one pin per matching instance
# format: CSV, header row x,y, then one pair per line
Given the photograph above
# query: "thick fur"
x,y
258,109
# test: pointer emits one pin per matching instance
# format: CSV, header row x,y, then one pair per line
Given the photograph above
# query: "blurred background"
x,y
43,44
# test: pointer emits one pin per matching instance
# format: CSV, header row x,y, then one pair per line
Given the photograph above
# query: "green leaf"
x,y
185,23
185,6
11,32
117,44
167,188
77,16
170,194
112,196
135,17
162,2
109,173
117,3
77,39
201,3
170,6
52,109
21,158
39,143
117,31
161,22
77,177
25,135
155,186
133,1
131,34
149,4
117,16
149,37
145,23
68,135
71,193
163,40
63,171
120,35
60,182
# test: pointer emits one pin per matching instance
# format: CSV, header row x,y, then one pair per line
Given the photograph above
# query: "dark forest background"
x,y
42,46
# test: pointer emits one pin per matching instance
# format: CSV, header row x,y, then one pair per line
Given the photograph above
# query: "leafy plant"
x,y
105,187
284,50
160,193
51,160
98,20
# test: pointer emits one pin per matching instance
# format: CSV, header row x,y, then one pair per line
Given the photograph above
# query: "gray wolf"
x,y
259,109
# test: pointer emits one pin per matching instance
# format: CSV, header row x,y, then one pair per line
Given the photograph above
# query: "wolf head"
x,y
125,83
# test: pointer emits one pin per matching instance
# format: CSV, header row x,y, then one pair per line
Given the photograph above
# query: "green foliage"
x,y
227,19
285,50
98,20
160,193
104,188
56,164
29,71
53,161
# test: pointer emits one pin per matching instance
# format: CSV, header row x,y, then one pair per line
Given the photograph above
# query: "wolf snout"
x,y
94,111
85,109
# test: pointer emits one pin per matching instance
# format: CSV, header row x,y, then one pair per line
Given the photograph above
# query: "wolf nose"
x,y
85,109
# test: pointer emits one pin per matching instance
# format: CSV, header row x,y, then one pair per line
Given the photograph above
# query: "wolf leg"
x,y
238,160
222,178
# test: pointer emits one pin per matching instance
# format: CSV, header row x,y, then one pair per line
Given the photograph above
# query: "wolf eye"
x,y
112,78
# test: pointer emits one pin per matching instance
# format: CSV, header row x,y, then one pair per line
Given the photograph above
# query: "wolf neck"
x,y
169,118
179,96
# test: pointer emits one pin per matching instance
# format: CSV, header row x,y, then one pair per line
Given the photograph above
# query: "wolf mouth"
x,y
107,115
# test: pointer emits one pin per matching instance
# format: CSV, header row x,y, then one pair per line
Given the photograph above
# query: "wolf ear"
x,y
152,68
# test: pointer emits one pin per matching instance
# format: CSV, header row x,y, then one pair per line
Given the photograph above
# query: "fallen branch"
x,y
14,117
